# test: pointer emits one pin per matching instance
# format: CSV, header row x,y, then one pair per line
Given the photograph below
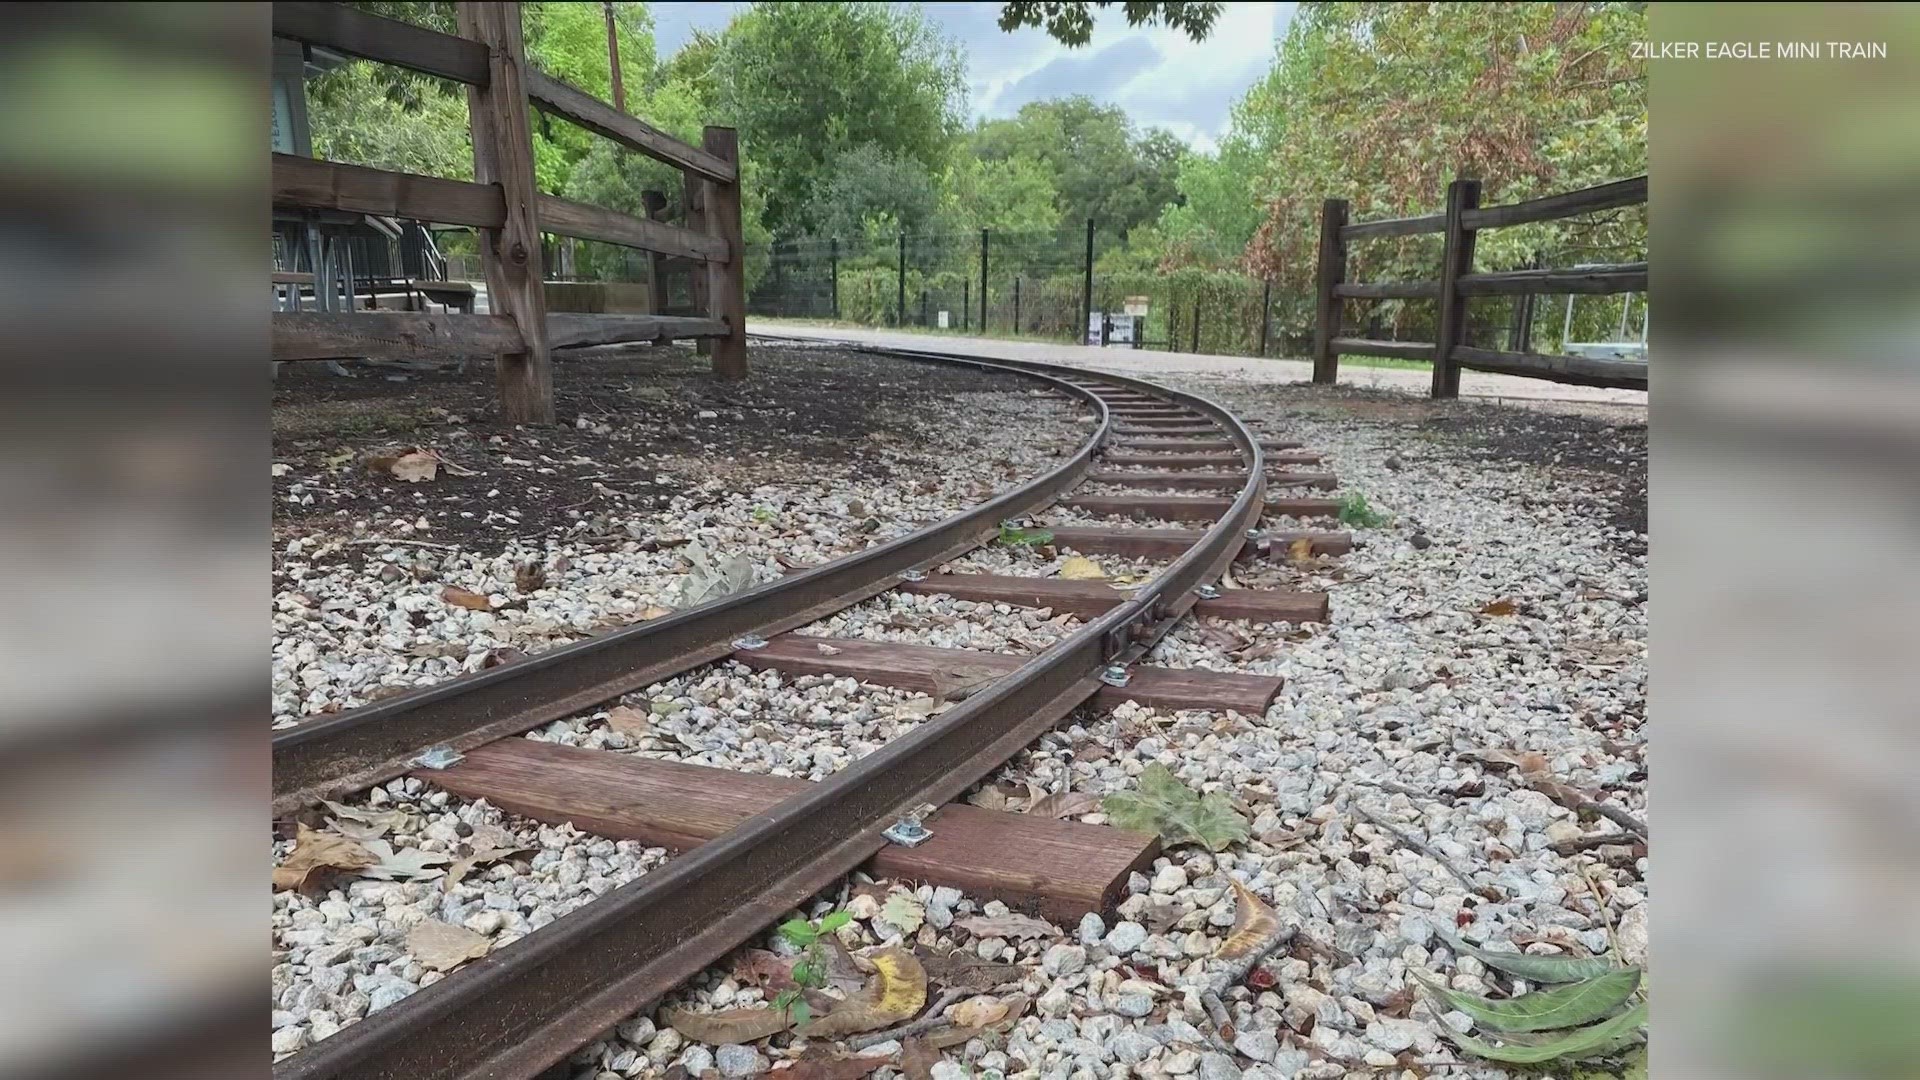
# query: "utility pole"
x,y
1086,295
613,59
983,281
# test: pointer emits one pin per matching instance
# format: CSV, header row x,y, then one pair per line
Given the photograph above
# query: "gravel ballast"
x,y
1495,617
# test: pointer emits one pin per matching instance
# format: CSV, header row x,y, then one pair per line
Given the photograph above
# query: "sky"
x,y
1158,76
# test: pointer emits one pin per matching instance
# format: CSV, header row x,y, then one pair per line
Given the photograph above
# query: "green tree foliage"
x,y
806,83
1383,103
870,189
1010,196
363,118
1071,23
1101,167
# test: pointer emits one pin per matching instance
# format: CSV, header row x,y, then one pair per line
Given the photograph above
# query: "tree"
x,y
1383,103
1100,167
807,82
1010,197
1071,23
870,183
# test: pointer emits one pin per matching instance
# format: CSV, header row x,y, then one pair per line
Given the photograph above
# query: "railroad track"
x,y
528,1005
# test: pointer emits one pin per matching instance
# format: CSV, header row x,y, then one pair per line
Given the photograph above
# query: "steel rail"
x,y
518,1011
356,749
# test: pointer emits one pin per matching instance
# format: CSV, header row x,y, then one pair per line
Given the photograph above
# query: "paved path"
x,y
1148,362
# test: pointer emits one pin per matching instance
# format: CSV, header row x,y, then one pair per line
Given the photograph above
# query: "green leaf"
x,y
1584,1042
1539,969
1013,536
1165,806
798,932
807,973
1561,1007
834,921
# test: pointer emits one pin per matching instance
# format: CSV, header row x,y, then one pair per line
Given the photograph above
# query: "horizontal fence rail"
x,y
1460,224
511,214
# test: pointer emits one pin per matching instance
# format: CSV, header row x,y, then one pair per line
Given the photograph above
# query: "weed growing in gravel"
x,y
1355,511
1013,536
1583,1011
810,971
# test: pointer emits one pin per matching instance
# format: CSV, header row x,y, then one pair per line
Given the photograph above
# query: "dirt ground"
x,y
622,415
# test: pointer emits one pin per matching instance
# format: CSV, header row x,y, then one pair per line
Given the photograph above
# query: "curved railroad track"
x,y
528,1005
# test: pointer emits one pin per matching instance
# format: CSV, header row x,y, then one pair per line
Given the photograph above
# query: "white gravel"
x,y
344,635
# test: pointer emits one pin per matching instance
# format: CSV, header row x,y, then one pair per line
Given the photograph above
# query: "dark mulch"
x,y
639,405
1612,451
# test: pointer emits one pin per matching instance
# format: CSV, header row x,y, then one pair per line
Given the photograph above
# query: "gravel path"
x,y
1487,641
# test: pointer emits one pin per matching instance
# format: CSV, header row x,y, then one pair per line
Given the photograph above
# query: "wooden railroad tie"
x,y
1173,543
929,669
1228,482
1213,444
1059,869
1206,461
1184,427
1088,599
1192,507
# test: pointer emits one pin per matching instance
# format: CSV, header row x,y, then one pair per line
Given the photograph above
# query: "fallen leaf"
x,y
897,992
1500,607
1529,762
903,911
1301,550
529,577
628,720
357,824
1565,794
978,1012
965,971
1255,925
917,1059
1012,925
316,855
459,597
406,864
1064,804
847,1068
414,468
726,1026
443,946
759,967
990,798
842,974
461,867
1081,568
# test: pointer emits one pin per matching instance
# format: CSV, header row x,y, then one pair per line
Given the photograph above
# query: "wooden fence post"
x,y
727,282
1332,271
510,255
1457,262
693,203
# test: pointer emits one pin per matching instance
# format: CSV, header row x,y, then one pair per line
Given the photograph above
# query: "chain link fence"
x,y
1050,286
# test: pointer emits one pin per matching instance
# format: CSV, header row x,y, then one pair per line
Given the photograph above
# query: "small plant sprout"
x,y
810,970
1355,511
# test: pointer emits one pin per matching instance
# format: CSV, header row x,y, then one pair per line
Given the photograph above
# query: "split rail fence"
x,y
1461,222
510,213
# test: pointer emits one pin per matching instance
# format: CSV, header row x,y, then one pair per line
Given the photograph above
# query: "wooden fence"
x,y
510,213
1461,222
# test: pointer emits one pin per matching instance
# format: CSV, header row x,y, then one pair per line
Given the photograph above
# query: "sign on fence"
x,y
1136,305
943,320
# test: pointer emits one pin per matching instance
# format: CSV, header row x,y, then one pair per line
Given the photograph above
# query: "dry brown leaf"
x,y
978,1012
529,577
726,1026
459,597
1064,804
1301,550
628,720
1081,568
965,971
917,1059
415,467
482,856
897,992
1254,925
758,967
990,798
443,946
848,1068
1500,607
1565,794
1013,925
316,855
